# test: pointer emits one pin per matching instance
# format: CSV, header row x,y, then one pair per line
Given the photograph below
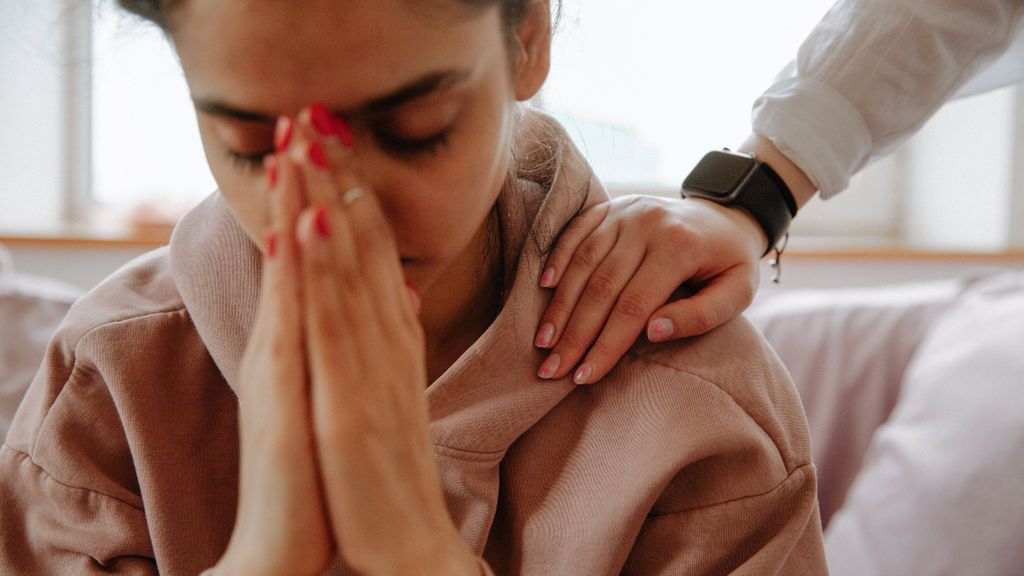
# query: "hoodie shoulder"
x,y
142,287
101,327
737,360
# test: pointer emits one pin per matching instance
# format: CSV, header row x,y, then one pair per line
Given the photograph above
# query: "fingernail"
x,y
321,119
327,124
549,367
320,222
271,245
317,155
548,279
282,133
270,165
661,330
348,140
545,335
583,374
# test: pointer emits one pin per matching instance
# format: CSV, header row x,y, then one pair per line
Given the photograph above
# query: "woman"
x,y
251,400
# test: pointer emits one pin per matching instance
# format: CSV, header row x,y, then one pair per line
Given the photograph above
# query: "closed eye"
x,y
248,162
413,146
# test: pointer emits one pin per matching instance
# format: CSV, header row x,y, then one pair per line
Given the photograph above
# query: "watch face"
x,y
719,173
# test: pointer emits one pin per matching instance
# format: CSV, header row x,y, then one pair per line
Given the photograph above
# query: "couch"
x,y
30,310
915,399
914,395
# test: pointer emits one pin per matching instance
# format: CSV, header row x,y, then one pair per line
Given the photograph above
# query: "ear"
x,y
533,49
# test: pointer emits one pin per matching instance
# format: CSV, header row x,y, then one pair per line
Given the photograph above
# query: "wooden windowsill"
x,y
149,238
89,237
895,254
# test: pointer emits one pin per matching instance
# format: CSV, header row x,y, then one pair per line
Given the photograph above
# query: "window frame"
x,y
80,208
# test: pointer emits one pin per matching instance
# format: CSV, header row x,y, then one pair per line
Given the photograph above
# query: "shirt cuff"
x,y
817,129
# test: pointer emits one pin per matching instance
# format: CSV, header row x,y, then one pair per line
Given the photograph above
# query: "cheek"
x,y
244,190
438,208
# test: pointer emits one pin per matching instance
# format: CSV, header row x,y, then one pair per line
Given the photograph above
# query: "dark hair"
x,y
513,11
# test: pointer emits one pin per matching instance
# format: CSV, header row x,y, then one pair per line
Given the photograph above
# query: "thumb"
x,y
721,300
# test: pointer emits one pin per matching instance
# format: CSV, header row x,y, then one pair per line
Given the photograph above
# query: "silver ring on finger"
x,y
351,195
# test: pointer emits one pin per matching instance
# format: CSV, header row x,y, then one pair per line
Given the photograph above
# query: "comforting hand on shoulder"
x,y
618,263
336,446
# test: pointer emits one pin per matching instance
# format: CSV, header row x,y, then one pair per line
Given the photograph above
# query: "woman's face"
x,y
427,86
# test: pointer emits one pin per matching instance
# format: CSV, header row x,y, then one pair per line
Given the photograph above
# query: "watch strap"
x,y
767,198
759,190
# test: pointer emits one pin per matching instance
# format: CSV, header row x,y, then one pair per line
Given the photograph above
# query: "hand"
x,y
617,264
366,355
281,525
336,450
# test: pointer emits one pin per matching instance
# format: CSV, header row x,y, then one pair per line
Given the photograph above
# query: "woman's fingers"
x,y
280,505
578,230
335,319
596,302
574,281
722,299
597,307
630,315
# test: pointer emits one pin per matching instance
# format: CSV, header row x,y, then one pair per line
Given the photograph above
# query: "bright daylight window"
x,y
145,142
645,87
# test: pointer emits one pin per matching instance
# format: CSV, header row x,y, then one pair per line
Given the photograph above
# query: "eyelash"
x,y
407,148
398,146
248,162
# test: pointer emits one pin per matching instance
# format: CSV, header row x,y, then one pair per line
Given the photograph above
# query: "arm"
x,y
49,527
865,79
66,502
871,73
773,533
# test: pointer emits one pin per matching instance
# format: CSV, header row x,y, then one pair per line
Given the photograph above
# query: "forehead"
x,y
276,56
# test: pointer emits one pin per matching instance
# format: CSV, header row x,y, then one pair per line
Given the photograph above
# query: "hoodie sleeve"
x,y
738,491
777,532
49,527
69,498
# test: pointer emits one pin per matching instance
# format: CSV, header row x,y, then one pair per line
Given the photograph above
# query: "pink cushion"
x,y
941,490
847,351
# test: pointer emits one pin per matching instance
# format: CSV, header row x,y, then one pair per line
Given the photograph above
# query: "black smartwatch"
x,y
736,179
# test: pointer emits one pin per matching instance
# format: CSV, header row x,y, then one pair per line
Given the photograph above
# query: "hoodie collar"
x,y
491,395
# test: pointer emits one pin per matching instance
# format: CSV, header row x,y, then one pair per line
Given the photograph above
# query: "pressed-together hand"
x,y
618,263
363,472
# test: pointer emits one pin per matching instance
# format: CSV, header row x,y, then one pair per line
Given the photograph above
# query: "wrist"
x,y
447,556
796,180
754,237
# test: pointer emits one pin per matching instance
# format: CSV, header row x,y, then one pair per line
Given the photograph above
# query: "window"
x,y
145,140
644,87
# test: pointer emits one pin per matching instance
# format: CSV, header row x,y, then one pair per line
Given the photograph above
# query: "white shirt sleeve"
x,y
873,71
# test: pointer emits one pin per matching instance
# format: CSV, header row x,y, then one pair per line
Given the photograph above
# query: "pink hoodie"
x,y
690,458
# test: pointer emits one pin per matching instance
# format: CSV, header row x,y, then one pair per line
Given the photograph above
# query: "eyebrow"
x,y
418,88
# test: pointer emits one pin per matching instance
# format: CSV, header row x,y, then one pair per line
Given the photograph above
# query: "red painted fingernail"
x,y
548,279
327,124
317,155
321,118
550,366
661,330
322,225
270,165
348,140
271,245
282,133
545,335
